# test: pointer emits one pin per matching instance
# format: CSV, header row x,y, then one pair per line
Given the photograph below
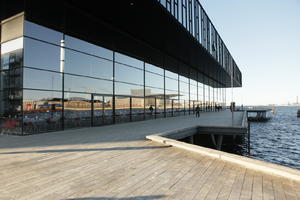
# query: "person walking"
x,y
197,111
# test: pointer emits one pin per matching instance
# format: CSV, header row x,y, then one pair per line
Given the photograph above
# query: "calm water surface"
x,y
278,140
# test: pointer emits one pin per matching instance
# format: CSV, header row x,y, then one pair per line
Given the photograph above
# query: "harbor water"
x,y
278,140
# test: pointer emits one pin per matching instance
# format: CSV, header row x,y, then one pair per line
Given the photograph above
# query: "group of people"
x,y
207,108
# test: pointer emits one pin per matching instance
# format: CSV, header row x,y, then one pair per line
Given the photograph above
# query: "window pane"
x,y
11,79
128,89
129,74
41,55
171,84
171,75
154,80
42,111
77,110
129,60
89,48
89,85
10,111
38,79
153,68
12,54
137,108
42,33
82,64
122,109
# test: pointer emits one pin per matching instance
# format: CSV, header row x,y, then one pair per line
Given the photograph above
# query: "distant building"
x,y
67,63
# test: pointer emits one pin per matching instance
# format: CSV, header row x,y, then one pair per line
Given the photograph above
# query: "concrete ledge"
x,y
250,163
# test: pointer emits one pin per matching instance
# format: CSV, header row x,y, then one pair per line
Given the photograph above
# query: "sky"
x,y
263,37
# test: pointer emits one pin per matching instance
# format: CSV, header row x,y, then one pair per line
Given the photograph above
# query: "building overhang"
x,y
141,29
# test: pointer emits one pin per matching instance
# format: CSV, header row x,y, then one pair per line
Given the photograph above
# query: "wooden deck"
x,y
116,162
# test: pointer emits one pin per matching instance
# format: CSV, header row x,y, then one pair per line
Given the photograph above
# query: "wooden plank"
x,y
257,192
227,187
237,185
268,192
246,192
209,183
221,180
278,189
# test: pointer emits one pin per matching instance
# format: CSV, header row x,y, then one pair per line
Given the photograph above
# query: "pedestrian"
x,y
197,111
151,109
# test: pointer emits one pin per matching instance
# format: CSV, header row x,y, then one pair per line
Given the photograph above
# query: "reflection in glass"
x,y
88,85
121,58
129,89
98,110
42,111
154,69
129,74
39,79
42,33
77,110
86,47
154,80
137,108
122,109
41,55
82,64
172,84
11,54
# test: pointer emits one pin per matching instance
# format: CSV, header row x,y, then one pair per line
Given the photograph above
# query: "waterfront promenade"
x,y
117,162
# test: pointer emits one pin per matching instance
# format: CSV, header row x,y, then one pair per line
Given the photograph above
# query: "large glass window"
x,y
77,110
42,33
122,109
41,55
12,54
88,85
154,80
172,84
86,47
128,89
121,58
193,90
154,69
82,64
125,74
42,111
39,79
137,108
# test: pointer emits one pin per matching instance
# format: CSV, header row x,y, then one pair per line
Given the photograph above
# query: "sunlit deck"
x,y
116,162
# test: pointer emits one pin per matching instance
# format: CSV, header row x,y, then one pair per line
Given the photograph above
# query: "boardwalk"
x,y
116,162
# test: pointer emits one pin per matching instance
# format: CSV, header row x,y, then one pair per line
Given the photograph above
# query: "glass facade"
x,y
51,81
191,15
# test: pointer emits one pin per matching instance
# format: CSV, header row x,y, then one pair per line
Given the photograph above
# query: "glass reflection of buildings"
x,y
96,86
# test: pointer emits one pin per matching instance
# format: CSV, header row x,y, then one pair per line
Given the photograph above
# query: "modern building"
x,y
68,63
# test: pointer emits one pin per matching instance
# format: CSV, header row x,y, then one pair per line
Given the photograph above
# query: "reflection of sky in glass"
x,y
38,95
153,68
129,60
42,79
42,33
82,64
41,55
86,47
46,56
154,80
126,89
129,74
83,84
